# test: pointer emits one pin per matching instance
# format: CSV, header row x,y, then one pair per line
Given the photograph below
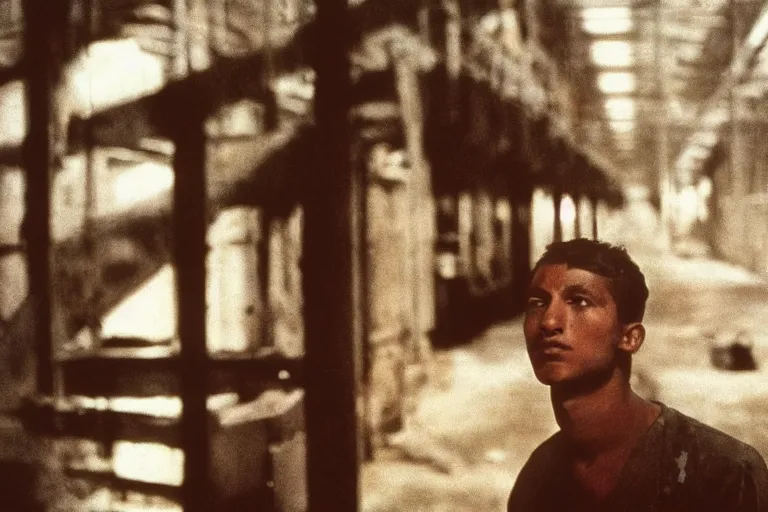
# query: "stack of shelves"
x,y
111,409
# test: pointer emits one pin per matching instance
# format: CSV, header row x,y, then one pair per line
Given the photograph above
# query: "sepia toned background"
x,y
270,254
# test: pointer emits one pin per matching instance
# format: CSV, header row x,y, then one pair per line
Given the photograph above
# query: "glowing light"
x,y
623,126
607,20
567,210
616,82
705,187
111,73
620,108
759,30
612,53
542,222
142,182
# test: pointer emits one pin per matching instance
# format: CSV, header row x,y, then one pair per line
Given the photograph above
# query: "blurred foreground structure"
x,y
235,233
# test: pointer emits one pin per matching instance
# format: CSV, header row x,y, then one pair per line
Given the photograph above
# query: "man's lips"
x,y
551,347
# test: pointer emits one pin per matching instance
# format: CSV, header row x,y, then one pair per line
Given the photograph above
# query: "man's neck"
x,y
601,418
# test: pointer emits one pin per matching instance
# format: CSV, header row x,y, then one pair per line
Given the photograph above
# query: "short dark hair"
x,y
628,286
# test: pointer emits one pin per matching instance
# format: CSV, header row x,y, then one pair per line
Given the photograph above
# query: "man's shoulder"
x,y
721,469
546,454
543,463
712,446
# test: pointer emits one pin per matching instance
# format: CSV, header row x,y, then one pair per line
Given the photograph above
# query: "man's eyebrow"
x,y
579,288
537,291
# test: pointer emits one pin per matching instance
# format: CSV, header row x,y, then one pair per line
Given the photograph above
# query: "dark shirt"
x,y
678,464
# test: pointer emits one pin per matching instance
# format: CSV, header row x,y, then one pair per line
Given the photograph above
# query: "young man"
x,y
616,451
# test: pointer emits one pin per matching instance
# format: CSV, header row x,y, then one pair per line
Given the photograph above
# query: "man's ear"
x,y
632,338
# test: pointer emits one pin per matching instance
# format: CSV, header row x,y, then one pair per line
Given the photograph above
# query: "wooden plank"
x,y
124,373
122,484
330,308
41,22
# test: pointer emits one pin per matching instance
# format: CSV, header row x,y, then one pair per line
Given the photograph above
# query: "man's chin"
x,y
552,376
560,377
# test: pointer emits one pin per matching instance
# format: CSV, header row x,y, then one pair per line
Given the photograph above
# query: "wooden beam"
x,y
41,20
330,310
190,249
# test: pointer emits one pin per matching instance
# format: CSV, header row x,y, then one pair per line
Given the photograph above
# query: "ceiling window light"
x,y
625,143
612,53
616,82
606,20
759,30
623,126
620,108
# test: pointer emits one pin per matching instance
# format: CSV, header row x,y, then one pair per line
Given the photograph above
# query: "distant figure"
x,y
616,451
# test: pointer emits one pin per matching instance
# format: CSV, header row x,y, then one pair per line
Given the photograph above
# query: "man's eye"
x,y
534,302
581,302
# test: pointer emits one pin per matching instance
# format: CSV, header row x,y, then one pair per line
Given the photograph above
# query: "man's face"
x,y
571,324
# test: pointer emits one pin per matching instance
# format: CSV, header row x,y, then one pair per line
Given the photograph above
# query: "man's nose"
x,y
552,320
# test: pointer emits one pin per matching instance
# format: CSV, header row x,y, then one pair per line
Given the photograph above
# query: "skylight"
x,y
616,82
622,125
620,108
606,20
612,53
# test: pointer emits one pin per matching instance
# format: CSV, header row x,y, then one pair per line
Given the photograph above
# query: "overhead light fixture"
x,y
620,108
759,30
606,20
623,126
614,82
612,53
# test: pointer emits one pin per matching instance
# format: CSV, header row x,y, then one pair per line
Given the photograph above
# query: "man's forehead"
x,y
561,275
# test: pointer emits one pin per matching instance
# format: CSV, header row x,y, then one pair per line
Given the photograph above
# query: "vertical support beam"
x,y
531,10
577,229
91,25
738,237
180,60
361,285
594,203
189,232
329,306
419,193
665,178
38,152
453,55
557,199
421,231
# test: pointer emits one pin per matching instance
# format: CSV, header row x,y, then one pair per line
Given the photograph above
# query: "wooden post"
x,y
453,55
594,202
421,231
557,199
577,220
330,308
40,30
180,62
739,235
189,234
665,177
